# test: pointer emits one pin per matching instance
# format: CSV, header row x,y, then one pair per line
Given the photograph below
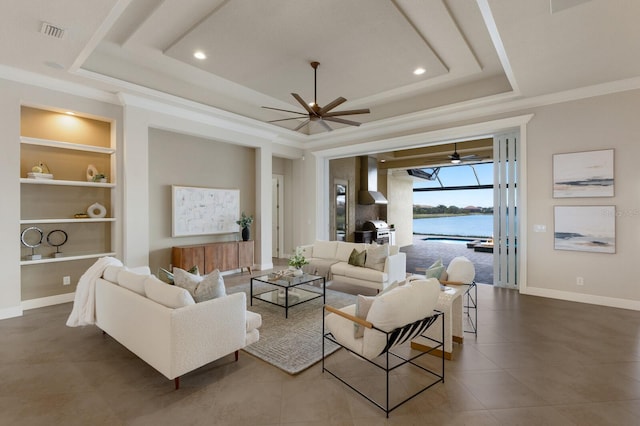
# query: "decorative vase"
x,y
298,272
246,234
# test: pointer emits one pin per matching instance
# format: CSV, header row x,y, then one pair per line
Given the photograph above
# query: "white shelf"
x,y
66,183
66,145
65,258
67,220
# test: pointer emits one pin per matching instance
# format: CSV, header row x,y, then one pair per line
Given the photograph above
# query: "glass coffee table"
x,y
287,291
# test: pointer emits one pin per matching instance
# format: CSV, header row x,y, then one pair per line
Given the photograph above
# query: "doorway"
x,y
504,198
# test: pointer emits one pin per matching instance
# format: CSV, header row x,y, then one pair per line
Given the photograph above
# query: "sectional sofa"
x,y
331,260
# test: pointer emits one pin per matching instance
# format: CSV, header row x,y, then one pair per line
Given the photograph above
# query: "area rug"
x,y
292,344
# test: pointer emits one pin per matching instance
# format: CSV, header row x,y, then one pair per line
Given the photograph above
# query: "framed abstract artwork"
x,y
585,228
583,174
203,211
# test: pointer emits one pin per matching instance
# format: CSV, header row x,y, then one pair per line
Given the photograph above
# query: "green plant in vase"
x,y
298,260
245,222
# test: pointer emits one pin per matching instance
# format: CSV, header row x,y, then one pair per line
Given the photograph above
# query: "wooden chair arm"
x,y
444,282
357,320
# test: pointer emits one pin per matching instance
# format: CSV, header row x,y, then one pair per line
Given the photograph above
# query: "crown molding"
x,y
51,83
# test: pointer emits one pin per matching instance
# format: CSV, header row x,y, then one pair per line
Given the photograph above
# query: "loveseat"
x,y
165,327
331,260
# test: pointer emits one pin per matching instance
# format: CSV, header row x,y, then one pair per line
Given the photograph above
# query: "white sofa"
x,y
331,259
163,325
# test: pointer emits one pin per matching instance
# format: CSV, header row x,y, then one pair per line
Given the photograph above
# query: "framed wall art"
x,y
203,211
583,174
585,228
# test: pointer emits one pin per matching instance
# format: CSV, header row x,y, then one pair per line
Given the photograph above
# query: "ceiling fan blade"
x,y
341,120
284,119
347,112
325,125
284,110
303,103
471,157
301,125
331,105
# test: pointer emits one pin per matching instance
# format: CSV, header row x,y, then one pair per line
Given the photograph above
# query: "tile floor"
x,y
535,362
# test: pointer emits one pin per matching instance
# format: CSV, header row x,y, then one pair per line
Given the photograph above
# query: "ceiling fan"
x,y
316,113
457,158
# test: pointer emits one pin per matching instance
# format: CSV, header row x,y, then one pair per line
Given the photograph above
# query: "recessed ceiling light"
x,y
198,54
419,71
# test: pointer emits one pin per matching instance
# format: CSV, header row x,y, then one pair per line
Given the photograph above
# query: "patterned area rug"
x,y
292,344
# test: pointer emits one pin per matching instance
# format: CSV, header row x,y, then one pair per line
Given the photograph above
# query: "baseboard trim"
x,y
583,298
12,312
47,301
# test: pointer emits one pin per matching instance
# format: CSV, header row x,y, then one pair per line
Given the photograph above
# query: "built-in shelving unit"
x,y
66,258
68,145
66,183
87,220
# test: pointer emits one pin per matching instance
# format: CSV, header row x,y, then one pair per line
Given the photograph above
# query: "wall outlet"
x,y
539,228
66,280
579,281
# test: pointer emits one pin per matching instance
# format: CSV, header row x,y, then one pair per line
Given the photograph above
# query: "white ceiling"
x,y
259,50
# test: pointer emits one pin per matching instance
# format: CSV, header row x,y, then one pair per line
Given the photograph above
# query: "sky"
x,y
454,176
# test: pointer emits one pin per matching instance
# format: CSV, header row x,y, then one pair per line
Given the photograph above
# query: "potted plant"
x,y
297,261
245,222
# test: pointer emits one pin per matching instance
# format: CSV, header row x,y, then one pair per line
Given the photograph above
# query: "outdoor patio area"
x,y
423,253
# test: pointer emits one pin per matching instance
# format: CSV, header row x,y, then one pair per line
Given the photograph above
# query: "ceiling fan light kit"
x,y
457,159
317,114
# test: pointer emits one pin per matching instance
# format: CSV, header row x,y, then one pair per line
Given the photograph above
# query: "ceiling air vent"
x,y
51,30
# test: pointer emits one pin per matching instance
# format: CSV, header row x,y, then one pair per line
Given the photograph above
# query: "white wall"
x,y
176,159
400,208
590,124
10,211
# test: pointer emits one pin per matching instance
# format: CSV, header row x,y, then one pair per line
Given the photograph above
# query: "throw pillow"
x,y
363,304
201,288
167,276
376,257
435,270
461,269
357,258
401,306
169,296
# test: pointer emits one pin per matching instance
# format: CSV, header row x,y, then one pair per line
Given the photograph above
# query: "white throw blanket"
x,y
84,302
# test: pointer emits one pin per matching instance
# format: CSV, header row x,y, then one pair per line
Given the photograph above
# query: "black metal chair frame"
x,y
471,304
394,338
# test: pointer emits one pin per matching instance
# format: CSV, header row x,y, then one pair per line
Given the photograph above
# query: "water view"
x,y
473,225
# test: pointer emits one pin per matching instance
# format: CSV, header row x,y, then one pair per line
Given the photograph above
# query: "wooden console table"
x,y
224,256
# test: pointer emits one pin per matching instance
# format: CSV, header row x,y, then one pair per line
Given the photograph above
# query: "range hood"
x,y
368,193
